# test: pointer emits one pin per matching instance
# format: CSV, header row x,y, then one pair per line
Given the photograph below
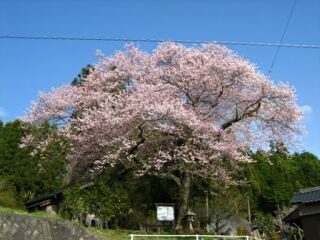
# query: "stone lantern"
x,y
190,217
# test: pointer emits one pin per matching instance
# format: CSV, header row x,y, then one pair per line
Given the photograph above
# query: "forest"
x,y
125,200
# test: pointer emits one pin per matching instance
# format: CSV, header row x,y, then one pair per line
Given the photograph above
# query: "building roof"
x,y
307,195
44,200
294,215
309,204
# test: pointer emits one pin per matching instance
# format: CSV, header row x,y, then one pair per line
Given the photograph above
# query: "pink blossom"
x,y
176,106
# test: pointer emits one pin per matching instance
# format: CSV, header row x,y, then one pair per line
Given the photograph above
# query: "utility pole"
x,y
207,209
249,210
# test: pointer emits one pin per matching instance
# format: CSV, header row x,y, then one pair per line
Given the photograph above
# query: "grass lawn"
x,y
111,234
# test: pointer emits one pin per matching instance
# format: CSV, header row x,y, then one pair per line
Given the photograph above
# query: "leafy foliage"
x,y
80,79
25,175
100,199
275,176
7,195
265,224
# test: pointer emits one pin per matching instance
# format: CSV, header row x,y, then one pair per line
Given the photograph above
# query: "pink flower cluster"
x,y
177,107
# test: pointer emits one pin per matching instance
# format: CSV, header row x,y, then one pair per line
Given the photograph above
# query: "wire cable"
x,y
282,37
150,40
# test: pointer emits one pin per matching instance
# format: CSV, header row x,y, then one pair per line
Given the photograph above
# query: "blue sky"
x,y
28,66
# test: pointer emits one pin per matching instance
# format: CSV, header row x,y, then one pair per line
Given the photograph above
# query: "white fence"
x,y
196,237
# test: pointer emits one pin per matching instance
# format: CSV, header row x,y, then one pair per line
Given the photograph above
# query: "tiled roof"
x,y
307,195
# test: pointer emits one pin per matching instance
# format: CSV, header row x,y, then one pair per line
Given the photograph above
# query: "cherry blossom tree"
x,y
176,112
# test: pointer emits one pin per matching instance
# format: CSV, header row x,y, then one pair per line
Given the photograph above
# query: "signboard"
x,y
165,213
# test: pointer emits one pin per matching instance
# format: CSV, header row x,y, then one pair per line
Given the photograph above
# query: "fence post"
x,y
197,237
247,238
131,236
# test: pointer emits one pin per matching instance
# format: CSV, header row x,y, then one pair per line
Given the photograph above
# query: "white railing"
x,y
196,236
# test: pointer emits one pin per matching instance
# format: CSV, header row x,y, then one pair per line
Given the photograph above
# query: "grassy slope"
x,y
38,214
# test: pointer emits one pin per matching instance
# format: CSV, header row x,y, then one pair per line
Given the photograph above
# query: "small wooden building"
x,y
51,203
307,213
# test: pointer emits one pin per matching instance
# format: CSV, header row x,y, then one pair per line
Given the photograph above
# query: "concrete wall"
x,y
17,227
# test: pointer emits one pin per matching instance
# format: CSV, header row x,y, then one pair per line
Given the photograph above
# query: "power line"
x,y
282,36
150,40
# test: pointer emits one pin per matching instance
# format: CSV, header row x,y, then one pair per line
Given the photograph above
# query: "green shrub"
x,y
8,199
265,224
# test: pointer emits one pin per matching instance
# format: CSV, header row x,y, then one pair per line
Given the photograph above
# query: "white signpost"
x,y
165,213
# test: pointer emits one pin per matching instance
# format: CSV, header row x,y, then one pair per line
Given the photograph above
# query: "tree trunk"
x,y
185,180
